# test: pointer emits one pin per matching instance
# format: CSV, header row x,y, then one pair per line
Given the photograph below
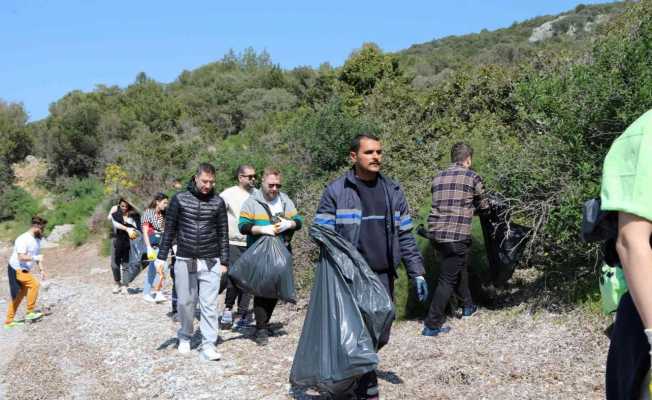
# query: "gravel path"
x,y
97,345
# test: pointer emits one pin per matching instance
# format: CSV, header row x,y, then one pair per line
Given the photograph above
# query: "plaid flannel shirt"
x,y
457,192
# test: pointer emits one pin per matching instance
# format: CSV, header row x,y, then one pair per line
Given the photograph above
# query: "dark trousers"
x,y
233,292
119,260
368,383
453,275
629,359
263,309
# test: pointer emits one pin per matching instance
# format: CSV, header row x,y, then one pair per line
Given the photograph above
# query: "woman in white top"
x,y
153,223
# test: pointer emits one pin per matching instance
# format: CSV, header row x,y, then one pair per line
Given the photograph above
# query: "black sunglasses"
x,y
249,176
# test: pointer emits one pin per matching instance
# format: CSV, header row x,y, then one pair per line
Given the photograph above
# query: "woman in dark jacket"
x,y
126,223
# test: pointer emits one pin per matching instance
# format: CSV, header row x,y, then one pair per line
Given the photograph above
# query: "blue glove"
x,y
422,288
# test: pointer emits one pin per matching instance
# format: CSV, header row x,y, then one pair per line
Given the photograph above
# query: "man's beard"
x,y
38,235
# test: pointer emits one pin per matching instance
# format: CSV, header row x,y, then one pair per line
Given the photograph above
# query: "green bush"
x,y
74,206
16,203
324,137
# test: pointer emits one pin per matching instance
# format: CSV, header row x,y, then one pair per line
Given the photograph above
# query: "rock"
x,y
31,159
599,19
545,31
59,232
46,244
48,202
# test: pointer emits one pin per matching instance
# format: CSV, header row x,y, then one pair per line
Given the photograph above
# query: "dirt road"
x,y
97,345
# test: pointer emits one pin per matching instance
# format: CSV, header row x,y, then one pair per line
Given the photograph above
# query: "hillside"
x,y
572,31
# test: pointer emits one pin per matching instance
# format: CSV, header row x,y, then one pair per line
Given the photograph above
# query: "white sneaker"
x,y
227,317
124,290
209,353
116,289
184,346
148,298
160,298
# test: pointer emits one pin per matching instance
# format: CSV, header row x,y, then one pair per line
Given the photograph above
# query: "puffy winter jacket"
x,y
200,225
340,209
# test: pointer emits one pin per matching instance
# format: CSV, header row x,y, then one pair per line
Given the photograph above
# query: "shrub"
x,y
74,206
17,204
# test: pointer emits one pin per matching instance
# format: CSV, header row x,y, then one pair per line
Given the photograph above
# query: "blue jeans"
x,y
151,278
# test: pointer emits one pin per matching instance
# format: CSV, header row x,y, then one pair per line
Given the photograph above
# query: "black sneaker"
x,y
244,321
262,337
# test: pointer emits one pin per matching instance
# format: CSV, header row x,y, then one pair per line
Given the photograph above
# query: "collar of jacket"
x,y
351,178
192,188
257,194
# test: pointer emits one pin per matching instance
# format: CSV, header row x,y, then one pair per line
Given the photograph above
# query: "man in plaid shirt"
x,y
457,194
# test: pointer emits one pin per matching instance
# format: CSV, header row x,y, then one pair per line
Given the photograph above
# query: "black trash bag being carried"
x,y
265,270
349,310
137,255
503,240
598,225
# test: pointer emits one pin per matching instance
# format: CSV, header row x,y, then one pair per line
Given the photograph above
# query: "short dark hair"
x,y
355,142
460,152
241,169
206,168
36,220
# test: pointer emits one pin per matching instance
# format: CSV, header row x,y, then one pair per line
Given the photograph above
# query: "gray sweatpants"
x,y
189,272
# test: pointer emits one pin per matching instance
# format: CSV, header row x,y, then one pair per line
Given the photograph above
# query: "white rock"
x,y
59,232
544,31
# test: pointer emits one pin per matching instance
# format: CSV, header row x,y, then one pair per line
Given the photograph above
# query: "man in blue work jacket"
x,y
371,211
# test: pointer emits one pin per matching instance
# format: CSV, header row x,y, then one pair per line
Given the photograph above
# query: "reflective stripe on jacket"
x,y
340,209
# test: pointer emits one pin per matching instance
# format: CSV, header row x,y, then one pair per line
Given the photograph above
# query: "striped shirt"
x,y
457,192
151,218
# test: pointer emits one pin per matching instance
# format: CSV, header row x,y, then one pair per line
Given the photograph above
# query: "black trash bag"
x,y
265,270
348,312
504,241
598,225
137,254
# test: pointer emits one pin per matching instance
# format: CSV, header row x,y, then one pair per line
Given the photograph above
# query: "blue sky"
x,y
50,47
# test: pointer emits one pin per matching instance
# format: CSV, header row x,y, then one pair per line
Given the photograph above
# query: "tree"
x,y
73,143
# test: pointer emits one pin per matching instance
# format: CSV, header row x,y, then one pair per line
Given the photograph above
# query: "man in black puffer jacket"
x,y
197,219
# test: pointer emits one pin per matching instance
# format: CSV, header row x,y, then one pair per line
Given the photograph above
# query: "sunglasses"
x,y
275,185
249,176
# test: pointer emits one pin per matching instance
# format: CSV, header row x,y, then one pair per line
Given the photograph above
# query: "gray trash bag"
x,y
265,270
349,310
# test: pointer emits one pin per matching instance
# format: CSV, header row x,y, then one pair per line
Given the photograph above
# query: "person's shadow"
x,y
389,376
173,342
